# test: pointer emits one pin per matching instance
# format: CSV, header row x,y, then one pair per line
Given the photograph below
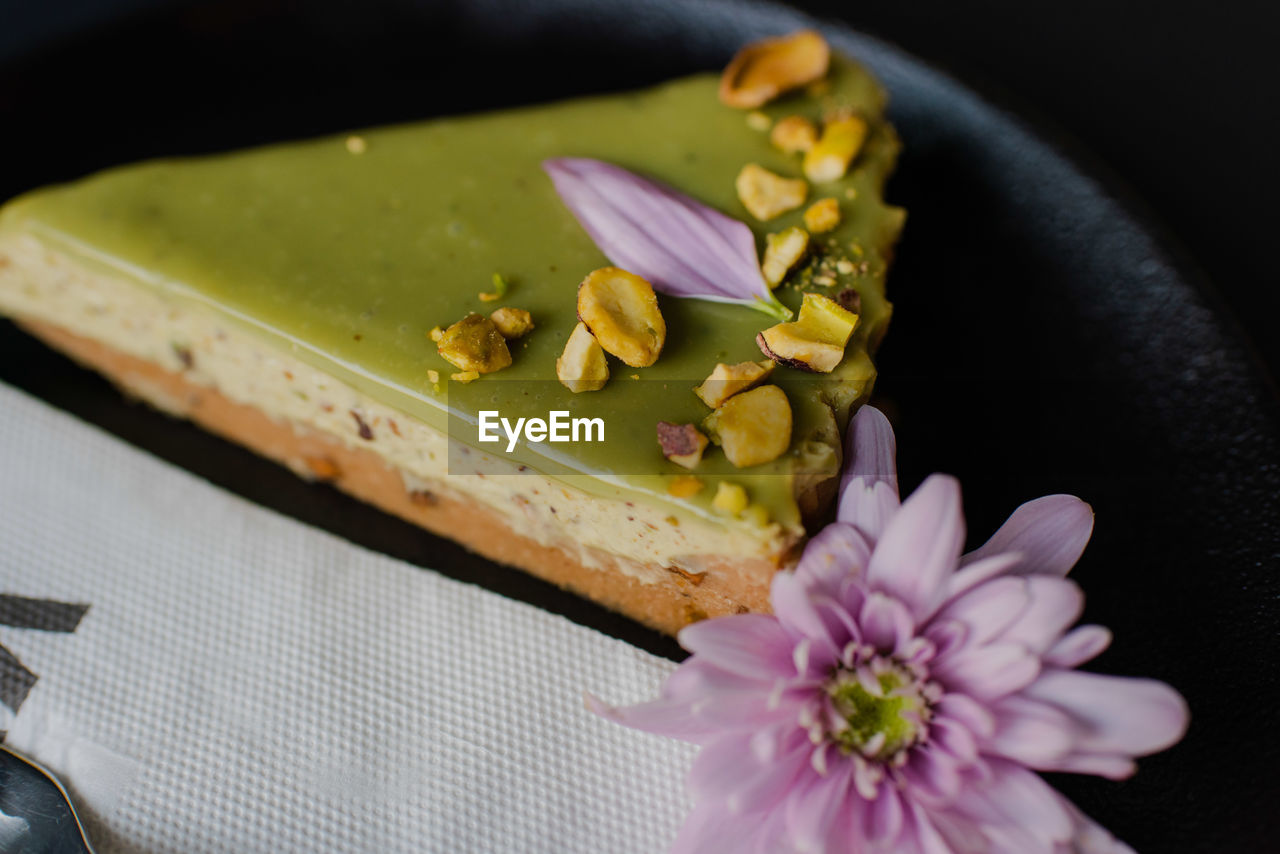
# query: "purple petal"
x,y
975,572
795,610
813,811
711,829
1088,836
1014,798
882,819
886,623
835,553
1078,646
1106,765
1053,605
868,508
1121,715
1030,732
933,773
920,546
989,672
870,451
753,645
968,711
1050,533
988,609
681,246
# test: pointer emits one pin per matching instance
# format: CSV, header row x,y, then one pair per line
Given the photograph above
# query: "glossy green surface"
x,y
349,259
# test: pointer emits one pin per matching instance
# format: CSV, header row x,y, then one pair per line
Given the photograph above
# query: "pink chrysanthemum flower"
x,y
902,695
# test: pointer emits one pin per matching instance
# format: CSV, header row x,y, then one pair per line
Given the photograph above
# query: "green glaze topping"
x,y
348,253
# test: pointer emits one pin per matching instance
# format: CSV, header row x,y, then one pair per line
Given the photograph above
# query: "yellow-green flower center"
x,y
877,726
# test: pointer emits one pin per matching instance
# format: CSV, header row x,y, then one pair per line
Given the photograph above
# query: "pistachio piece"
x,y
684,486
815,340
753,427
582,366
763,70
766,195
727,380
822,216
683,444
474,344
782,252
511,322
840,142
731,498
464,377
794,134
621,311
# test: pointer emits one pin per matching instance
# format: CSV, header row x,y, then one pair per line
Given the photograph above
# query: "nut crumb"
x,y
357,144
465,377
757,120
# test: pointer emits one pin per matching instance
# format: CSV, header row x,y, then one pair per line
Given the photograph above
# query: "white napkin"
x,y
241,682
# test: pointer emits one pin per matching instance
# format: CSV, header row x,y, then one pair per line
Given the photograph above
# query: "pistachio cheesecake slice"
x,y
380,310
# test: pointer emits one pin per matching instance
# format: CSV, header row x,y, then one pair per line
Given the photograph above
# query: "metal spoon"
x,y
36,816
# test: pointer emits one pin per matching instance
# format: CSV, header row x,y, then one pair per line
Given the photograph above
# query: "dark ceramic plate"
x,y
1044,341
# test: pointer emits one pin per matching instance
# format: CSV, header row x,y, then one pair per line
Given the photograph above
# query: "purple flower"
x,y
903,695
679,245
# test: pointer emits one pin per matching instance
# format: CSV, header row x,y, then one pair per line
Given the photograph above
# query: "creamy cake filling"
x,y
41,284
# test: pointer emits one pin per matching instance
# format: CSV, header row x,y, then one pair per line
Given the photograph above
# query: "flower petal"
x,y
796,611
813,812
1050,533
1030,732
920,546
988,609
681,246
968,711
753,645
1117,714
975,572
868,508
869,486
1078,646
1053,605
837,552
712,829
989,672
886,623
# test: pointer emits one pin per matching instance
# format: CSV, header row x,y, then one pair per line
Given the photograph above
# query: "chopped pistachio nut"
x,y
464,377
582,366
475,344
727,380
757,120
822,216
766,195
840,142
683,444
753,427
621,310
782,252
436,334
433,377
731,498
794,134
757,514
511,322
357,145
763,70
684,486
815,340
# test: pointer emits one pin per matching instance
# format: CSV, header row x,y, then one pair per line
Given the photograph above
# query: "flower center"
x,y
878,724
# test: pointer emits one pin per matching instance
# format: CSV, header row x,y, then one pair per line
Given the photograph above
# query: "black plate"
x,y
1044,339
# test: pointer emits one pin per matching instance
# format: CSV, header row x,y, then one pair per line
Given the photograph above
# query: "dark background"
x,y
1091,369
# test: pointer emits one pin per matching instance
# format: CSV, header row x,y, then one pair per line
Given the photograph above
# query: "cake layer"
x,y
343,252
149,341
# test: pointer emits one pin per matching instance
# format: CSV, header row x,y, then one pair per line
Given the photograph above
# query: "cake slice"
x,y
307,300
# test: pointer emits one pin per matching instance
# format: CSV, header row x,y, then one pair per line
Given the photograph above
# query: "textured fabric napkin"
x,y
241,682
